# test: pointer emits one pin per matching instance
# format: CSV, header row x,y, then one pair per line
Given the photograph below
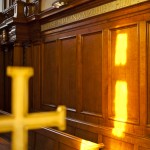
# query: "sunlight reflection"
x,y
121,90
121,48
88,145
121,94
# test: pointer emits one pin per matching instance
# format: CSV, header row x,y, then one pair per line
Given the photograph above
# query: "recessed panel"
x,y
124,74
148,54
49,74
45,143
92,73
68,72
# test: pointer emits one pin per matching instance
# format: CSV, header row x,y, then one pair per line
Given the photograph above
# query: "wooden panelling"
x,y
8,61
44,143
67,141
28,62
124,74
112,144
99,69
89,135
84,68
36,51
31,140
1,80
92,73
27,57
65,147
50,74
148,66
18,54
68,72
142,148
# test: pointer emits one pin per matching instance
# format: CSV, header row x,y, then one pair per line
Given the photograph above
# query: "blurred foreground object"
x,y
20,121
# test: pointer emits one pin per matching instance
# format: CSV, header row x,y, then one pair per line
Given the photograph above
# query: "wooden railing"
x,y
20,9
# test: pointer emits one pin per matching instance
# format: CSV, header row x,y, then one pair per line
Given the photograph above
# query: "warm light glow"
x,y
120,107
121,100
121,49
121,89
88,145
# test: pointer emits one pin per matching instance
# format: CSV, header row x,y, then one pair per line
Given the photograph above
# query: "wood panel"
x,y
50,74
62,79
82,66
27,62
8,61
66,141
111,144
18,54
68,72
1,79
36,51
46,143
86,55
124,74
31,140
65,147
148,66
143,148
90,136
92,73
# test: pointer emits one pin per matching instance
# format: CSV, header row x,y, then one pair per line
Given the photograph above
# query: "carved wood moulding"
x,y
72,6
14,22
108,7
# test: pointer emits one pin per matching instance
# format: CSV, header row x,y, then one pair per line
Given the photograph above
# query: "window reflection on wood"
x,y
121,87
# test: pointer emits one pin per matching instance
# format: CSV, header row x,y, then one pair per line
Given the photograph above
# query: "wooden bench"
x,y
62,140
67,141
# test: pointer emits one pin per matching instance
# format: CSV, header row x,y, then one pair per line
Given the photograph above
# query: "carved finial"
x,y
59,3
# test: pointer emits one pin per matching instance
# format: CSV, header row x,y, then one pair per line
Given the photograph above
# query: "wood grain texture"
x,y
127,71
92,73
148,61
77,65
49,74
110,144
68,72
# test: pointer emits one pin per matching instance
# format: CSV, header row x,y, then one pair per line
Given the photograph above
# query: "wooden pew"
x,y
51,139
64,141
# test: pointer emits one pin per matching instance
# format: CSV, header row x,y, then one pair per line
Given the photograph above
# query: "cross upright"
x,y
19,122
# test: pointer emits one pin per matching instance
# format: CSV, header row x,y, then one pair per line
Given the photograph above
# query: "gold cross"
x,y
20,121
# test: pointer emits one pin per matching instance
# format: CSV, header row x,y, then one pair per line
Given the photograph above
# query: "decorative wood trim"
x,y
148,71
143,73
73,5
79,73
91,114
115,5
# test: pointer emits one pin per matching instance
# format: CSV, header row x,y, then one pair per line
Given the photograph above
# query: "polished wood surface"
x,y
80,65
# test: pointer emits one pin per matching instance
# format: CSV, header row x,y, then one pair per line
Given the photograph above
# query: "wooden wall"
x,y
99,68
85,65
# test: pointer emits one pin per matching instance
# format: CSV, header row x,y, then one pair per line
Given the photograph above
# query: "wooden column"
x,y
19,9
18,54
7,56
1,80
